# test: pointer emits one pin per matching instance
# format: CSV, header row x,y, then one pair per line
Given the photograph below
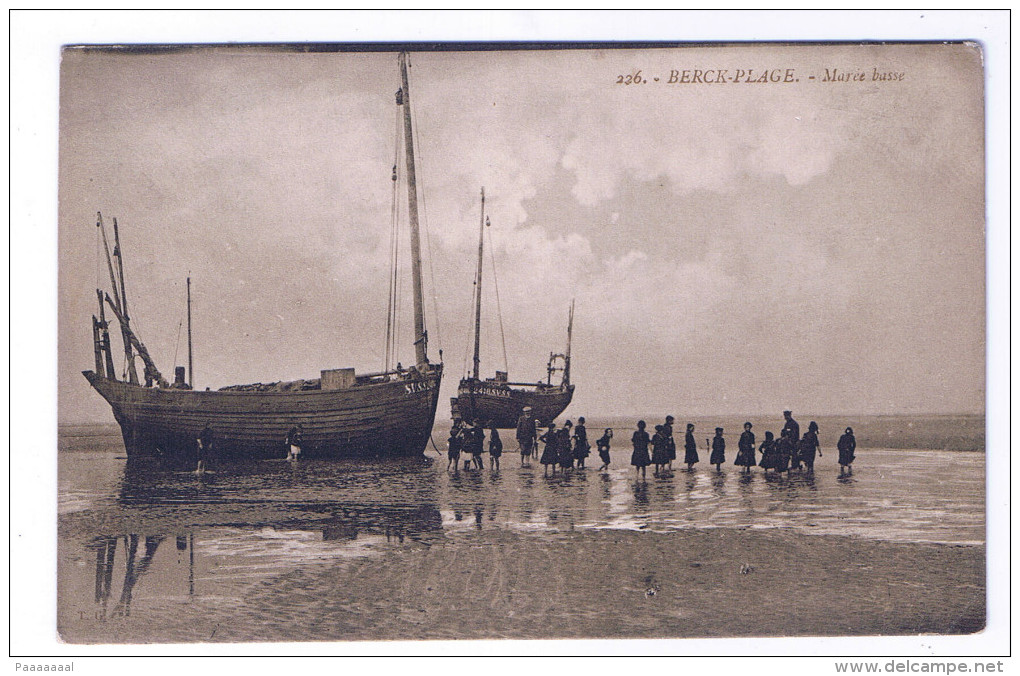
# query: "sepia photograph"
x,y
501,341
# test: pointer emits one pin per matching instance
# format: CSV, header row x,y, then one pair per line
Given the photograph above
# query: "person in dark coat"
x,y
527,434
639,458
846,445
603,446
745,449
809,445
582,449
563,448
206,440
718,450
495,448
667,430
660,450
550,454
474,443
453,447
690,447
784,451
792,430
769,459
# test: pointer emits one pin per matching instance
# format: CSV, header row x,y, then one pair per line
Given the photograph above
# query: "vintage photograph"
x,y
461,341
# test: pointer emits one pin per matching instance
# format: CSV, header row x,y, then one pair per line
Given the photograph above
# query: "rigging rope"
x,y
499,309
390,299
425,218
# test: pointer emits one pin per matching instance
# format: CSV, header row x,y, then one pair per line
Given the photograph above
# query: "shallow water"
x,y
139,543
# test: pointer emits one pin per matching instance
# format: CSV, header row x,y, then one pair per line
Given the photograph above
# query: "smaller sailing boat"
x,y
497,401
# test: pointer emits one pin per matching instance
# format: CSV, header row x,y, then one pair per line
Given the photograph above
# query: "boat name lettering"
x,y
420,386
493,391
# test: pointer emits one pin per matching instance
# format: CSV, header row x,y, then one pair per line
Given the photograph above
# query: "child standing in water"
x,y
550,456
603,446
846,445
718,450
690,448
639,458
453,446
495,448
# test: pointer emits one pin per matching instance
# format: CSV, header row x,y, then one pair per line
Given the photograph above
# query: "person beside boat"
x,y
603,446
527,434
582,449
660,451
563,448
690,448
808,446
453,447
639,457
745,449
474,443
550,454
667,430
495,447
846,446
718,456
769,458
792,429
294,441
205,441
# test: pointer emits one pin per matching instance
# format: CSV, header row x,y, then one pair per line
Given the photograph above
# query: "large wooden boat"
x,y
498,402
389,413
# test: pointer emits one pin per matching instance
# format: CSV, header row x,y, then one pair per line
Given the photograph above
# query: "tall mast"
x,y
478,286
191,366
420,336
570,330
132,375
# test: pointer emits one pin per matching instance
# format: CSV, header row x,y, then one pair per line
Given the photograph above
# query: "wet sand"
x,y
610,584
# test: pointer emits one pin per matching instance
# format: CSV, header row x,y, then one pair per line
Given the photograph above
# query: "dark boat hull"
x,y
377,419
501,405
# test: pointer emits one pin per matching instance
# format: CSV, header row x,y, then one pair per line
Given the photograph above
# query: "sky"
x,y
731,247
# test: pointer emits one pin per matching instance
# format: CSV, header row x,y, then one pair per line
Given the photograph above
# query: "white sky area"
x,y
732,248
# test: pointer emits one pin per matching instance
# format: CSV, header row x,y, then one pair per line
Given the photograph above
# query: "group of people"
x,y
791,451
568,447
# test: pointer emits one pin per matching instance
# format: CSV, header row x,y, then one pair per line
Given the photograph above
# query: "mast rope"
x,y
177,345
391,297
499,309
425,218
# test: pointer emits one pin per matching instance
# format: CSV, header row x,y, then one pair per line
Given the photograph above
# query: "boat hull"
x,y
378,419
501,405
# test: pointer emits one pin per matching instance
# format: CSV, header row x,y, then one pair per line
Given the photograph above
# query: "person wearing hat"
x,y
846,445
808,445
745,449
527,434
690,448
667,430
639,458
550,456
718,450
792,430
582,449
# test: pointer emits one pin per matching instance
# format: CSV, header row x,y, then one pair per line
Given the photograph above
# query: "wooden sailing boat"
x,y
341,414
497,401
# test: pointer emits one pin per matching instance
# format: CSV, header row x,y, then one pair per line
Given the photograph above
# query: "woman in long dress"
x,y
581,446
566,454
769,460
846,445
718,450
784,452
639,458
690,448
745,453
550,456
660,450
809,445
